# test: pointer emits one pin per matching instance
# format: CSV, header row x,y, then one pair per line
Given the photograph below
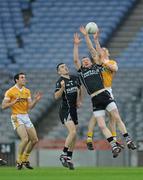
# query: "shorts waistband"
x,y
19,115
97,92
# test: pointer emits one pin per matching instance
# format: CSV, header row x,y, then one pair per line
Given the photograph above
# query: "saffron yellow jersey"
x,y
107,74
25,96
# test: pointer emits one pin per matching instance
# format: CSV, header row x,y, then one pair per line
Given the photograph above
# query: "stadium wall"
x,y
48,156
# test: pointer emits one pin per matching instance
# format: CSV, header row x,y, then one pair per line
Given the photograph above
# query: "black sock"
x,y
65,150
110,139
69,154
126,134
127,137
112,142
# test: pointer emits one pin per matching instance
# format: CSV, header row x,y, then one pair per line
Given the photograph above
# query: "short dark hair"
x,y
85,57
16,77
59,65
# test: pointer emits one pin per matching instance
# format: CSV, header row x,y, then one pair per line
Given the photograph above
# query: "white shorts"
x,y
109,108
21,119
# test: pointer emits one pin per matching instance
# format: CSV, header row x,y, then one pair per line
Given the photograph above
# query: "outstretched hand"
x,y
77,39
96,35
83,30
38,96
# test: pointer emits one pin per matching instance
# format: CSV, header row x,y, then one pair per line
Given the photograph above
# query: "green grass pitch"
x,y
77,174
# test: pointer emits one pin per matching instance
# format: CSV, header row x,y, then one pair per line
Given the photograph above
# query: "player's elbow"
x,y
115,69
30,106
56,96
3,106
77,64
75,61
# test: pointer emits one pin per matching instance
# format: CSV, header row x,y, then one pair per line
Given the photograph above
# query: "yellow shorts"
x,y
21,119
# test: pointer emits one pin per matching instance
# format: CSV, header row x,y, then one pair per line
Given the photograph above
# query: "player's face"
x,y
86,62
22,80
63,70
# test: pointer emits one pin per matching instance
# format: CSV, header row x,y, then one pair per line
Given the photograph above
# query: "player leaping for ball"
x,y
69,88
108,68
91,77
108,74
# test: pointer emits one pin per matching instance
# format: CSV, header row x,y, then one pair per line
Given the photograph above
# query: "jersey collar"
x,y
19,88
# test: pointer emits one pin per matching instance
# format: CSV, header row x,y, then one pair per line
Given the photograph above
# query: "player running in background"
x,y
104,62
18,98
108,69
69,88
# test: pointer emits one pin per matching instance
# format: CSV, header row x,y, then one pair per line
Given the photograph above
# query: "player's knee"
x,y
34,141
112,121
73,132
117,117
102,126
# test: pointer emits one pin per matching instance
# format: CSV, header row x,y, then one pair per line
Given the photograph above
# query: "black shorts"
x,y
68,114
101,101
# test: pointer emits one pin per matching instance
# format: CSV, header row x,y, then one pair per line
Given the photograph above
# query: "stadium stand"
x,y
127,58
36,46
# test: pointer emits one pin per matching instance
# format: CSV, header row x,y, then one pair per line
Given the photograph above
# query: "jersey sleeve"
x,y
112,62
58,86
78,82
8,95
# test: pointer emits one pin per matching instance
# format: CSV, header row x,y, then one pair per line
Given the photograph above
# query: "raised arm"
x,y
112,66
77,41
92,50
97,44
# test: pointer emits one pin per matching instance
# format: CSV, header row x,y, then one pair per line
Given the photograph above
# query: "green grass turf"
x,y
77,174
